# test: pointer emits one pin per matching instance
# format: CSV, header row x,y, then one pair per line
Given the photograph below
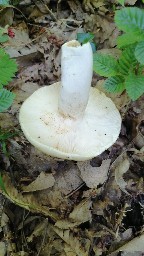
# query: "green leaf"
x,y
134,86
93,46
4,135
129,38
130,19
4,2
114,84
8,67
2,184
121,2
84,38
6,99
4,38
139,52
4,149
105,65
127,61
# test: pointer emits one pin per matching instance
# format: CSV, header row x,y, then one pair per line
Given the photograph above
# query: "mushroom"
x,y
70,119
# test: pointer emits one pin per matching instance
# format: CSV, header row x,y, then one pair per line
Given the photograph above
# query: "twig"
x,y
24,241
44,237
71,193
50,12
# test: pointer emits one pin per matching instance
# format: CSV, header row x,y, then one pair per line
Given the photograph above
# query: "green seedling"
x,y
4,136
8,67
84,38
126,72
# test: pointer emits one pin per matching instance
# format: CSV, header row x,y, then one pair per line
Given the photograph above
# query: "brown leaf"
x,y
122,168
80,214
93,176
135,245
43,181
74,243
2,249
28,202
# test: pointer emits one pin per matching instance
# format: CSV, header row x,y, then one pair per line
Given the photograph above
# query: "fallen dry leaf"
x,y
93,176
38,230
82,212
2,249
43,181
28,202
138,154
135,245
6,16
130,2
4,220
69,251
122,168
74,243
68,179
79,215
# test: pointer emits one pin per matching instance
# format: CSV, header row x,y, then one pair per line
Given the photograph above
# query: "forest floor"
x,y
58,207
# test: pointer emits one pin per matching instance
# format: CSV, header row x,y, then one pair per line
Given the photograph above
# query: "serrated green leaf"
x,y
139,52
129,38
3,38
134,86
105,65
114,84
130,19
84,38
8,67
127,61
121,2
4,2
6,99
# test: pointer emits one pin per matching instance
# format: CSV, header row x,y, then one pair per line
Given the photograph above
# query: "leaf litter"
x,y
62,207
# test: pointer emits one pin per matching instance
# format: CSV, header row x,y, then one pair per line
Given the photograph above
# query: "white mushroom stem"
x,y
76,77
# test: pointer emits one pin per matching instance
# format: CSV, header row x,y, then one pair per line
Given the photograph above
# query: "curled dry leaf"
x,y
138,154
6,16
69,251
4,220
122,168
53,243
68,179
2,249
28,202
43,181
77,245
135,245
38,230
80,214
130,2
93,176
